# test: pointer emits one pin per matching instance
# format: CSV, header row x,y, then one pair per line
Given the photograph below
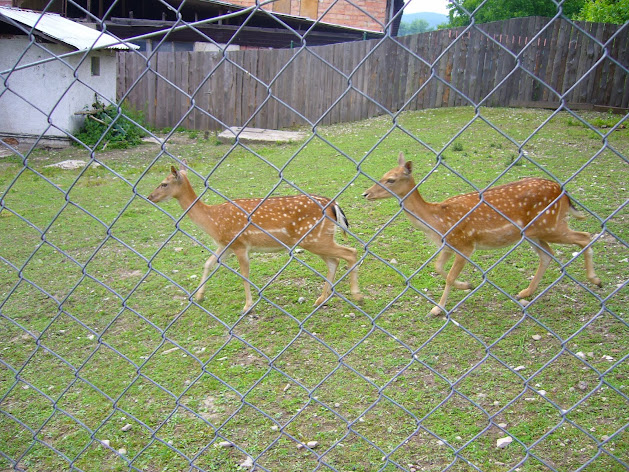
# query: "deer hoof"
x,y
358,297
320,301
436,311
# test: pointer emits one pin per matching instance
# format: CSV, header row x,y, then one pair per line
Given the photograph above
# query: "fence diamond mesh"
x,y
110,359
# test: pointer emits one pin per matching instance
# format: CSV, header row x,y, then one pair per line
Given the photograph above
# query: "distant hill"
x,y
433,19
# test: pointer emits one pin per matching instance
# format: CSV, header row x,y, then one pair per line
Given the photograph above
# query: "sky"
x,y
437,6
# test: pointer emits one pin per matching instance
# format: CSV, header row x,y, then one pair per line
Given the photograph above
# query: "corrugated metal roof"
x,y
64,30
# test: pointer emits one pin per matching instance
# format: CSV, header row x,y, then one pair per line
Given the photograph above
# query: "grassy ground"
x,y
95,286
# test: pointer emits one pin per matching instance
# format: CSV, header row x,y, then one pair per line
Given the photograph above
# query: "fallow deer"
x,y
264,225
533,207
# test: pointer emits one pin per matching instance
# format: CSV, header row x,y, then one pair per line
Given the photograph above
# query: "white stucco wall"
x,y
51,93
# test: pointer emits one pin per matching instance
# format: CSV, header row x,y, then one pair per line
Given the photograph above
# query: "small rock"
x,y
604,437
393,261
286,387
122,451
126,427
105,442
247,463
275,427
502,425
225,444
581,355
542,392
504,442
301,300
608,358
536,337
178,249
300,446
312,444
71,164
90,337
519,368
582,385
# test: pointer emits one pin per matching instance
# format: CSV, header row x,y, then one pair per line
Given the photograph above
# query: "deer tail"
x,y
341,219
576,213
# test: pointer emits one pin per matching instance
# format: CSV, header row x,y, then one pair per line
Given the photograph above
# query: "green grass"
x,y
95,287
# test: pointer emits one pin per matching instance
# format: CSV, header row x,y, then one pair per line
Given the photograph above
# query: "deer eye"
x,y
390,181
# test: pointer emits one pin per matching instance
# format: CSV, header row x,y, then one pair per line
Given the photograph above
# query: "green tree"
x,y
605,11
496,10
417,26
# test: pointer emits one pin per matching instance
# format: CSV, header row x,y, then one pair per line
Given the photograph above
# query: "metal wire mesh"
x,y
73,390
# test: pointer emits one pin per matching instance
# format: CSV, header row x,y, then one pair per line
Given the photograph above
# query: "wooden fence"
x,y
346,82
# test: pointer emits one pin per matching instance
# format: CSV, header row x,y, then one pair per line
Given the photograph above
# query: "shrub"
x,y
110,127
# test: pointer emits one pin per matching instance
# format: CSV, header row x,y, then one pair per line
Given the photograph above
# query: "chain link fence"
x,y
108,362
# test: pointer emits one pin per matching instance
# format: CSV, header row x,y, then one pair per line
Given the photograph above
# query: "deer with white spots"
x,y
535,207
265,225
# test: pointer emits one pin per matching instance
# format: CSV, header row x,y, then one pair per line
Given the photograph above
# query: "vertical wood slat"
x,y
563,57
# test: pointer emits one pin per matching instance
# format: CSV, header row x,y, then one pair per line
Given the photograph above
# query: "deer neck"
x,y
422,214
199,212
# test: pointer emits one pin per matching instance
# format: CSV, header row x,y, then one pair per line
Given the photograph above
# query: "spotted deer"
x,y
535,207
264,225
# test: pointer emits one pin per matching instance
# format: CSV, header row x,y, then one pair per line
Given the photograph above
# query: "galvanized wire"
x,y
218,432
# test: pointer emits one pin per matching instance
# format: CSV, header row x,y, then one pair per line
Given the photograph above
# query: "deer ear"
x,y
400,159
408,167
184,164
174,171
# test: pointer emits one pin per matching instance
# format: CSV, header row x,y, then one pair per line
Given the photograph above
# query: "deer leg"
x,y
332,263
440,263
243,261
209,265
545,253
337,252
581,239
350,257
455,270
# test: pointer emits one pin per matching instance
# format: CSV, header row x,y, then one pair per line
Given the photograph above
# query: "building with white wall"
x,y
51,68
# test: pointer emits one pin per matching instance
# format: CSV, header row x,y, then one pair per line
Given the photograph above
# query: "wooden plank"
x,y
560,54
523,84
584,62
548,60
477,61
457,70
620,88
572,58
507,63
603,74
